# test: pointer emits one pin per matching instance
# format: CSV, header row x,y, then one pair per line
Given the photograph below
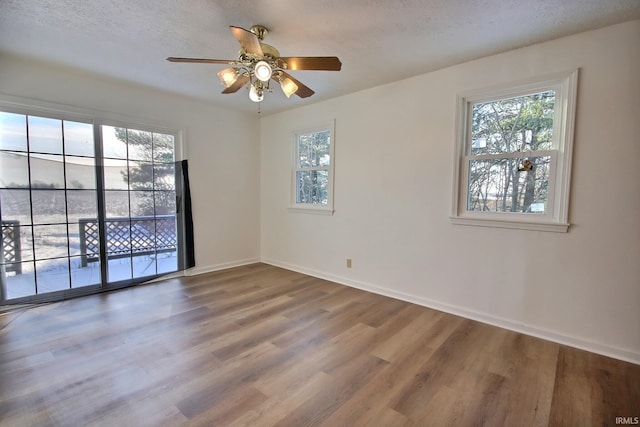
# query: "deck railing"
x,y
140,235
11,251
125,236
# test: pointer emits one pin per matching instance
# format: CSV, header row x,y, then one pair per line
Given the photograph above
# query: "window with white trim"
x,y
513,155
312,171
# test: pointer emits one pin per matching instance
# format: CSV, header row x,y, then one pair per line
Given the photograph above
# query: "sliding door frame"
x,y
98,119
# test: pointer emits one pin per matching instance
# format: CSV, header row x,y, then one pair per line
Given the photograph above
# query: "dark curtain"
x,y
187,258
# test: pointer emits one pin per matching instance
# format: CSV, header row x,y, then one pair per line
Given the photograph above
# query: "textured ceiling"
x,y
378,41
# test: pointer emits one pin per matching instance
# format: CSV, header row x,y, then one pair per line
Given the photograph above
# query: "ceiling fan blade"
x,y
241,81
322,63
201,60
249,41
303,91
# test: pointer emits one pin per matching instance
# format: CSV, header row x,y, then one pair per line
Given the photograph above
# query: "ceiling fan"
x,y
258,63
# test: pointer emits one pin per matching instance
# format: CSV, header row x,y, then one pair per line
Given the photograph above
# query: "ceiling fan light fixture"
x,y
256,92
228,76
288,86
258,63
262,71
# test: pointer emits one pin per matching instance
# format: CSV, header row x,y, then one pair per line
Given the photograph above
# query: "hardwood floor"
x,y
263,346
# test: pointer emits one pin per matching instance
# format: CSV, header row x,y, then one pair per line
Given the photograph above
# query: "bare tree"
x,y
510,131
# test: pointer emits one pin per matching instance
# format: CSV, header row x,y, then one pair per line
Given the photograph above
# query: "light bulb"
x,y
288,86
262,71
256,94
228,76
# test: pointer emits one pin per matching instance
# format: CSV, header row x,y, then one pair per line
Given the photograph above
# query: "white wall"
x,y
393,160
222,149
394,156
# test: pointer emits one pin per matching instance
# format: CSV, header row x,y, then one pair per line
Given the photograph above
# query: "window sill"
x,y
556,227
311,210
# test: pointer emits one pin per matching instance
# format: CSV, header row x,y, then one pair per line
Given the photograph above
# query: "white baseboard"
x,y
624,354
222,266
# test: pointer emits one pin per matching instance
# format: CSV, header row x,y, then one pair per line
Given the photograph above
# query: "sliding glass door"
x,y
47,183
139,203
83,206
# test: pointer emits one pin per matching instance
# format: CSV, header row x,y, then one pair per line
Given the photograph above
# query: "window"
x,y
139,202
47,184
312,172
513,155
84,206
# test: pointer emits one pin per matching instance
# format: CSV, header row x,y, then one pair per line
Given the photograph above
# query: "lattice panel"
x,y
11,255
137,235
166,235
89,231
10,241
118,237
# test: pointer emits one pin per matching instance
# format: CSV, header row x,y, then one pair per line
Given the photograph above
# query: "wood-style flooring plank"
x,y
263,346
594,390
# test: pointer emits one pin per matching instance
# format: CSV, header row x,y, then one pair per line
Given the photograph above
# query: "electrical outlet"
x,y
348,262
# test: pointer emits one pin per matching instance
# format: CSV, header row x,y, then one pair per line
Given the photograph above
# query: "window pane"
x,y
312,187
52,275
116,204
14,170
25,234
143,236
47,171
45,135
118,236
50,241
167,262
165,202
13,132
166,233
80,172
166,244
49,206
164,176
114,142
84,275
119,269
78,139
163,148
313,149
116,176
82,204
73,231
16,206
500,185
140,175
141,203
144,265
20,280
140,145
509,125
